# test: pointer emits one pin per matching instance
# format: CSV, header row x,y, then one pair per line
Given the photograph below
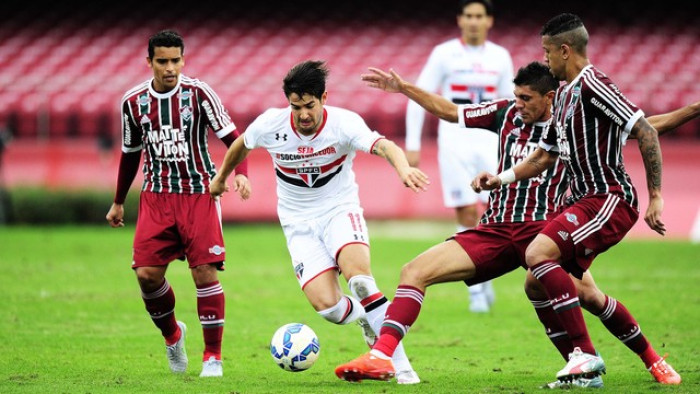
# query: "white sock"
x,y
347,310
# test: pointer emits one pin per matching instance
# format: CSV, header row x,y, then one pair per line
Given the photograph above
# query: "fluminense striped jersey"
x,y
537,198
171,128
314,173
592,120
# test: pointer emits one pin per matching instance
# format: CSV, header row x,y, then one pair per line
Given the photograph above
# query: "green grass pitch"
x,y
72,321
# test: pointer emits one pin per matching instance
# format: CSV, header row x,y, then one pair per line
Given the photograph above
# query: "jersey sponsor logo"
x,y
473,113
294,157
518,153
168,144
127,130
563,234
571,218
299,269
186,112
603,108
217,250
210,115
305,150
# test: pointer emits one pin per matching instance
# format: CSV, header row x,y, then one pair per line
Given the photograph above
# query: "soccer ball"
x,y
295,347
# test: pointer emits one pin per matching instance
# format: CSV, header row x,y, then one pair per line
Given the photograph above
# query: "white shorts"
x,y
314,244
462,155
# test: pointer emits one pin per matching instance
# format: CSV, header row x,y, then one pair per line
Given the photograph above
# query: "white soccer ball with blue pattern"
x,y
295,347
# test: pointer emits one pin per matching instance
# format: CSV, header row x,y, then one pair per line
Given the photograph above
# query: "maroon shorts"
x,y
176,226
498,248
589,227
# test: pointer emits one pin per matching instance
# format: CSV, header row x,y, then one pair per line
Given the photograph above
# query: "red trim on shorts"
x,y
349,243
317,275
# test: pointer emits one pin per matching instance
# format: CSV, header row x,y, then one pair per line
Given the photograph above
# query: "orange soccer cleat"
x,y
367,366
664,373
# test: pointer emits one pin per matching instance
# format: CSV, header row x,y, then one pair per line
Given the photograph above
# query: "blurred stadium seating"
x,y
64,68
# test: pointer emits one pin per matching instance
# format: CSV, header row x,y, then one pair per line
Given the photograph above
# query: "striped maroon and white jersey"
x,y
314,173
592,120
537,198
171,128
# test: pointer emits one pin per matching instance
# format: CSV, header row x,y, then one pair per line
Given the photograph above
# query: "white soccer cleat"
x,y
367,332
177,355
593,383
407,377
490,293
478,303
581,364
212,368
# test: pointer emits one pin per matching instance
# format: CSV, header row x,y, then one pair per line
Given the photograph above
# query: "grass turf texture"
x,y
72,320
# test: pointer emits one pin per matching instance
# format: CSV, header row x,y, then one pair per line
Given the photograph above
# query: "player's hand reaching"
x,y
217,187
414,179
485,181
389,82
653,215
241,185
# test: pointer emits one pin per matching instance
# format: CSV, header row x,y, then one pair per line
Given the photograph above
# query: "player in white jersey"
x,y
465,70
312,148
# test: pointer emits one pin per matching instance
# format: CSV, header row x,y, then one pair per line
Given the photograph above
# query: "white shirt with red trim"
x,y
314,173
463,74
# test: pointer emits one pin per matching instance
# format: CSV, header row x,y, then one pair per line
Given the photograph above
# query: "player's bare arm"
x,y
648,139
671,120
234,155
411,177
393,83
533,165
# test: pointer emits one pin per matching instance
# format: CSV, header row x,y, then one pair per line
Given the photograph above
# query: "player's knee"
x,y
533,289
591,299
149,280
412,275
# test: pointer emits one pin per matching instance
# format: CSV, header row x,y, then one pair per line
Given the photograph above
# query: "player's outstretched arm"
x,y
672,120
234,155
411,177
536,163
651,155
393,83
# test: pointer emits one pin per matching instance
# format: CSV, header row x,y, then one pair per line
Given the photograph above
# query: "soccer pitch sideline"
x,y
72,320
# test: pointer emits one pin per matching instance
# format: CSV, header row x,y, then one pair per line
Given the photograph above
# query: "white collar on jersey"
x,y
166,94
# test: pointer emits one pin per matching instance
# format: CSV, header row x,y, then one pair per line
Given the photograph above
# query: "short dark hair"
x,y
537,76
165,38
308,77
488,5
560,24
567,29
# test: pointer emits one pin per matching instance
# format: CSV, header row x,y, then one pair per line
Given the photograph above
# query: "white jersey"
x,y
314,173
463,74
